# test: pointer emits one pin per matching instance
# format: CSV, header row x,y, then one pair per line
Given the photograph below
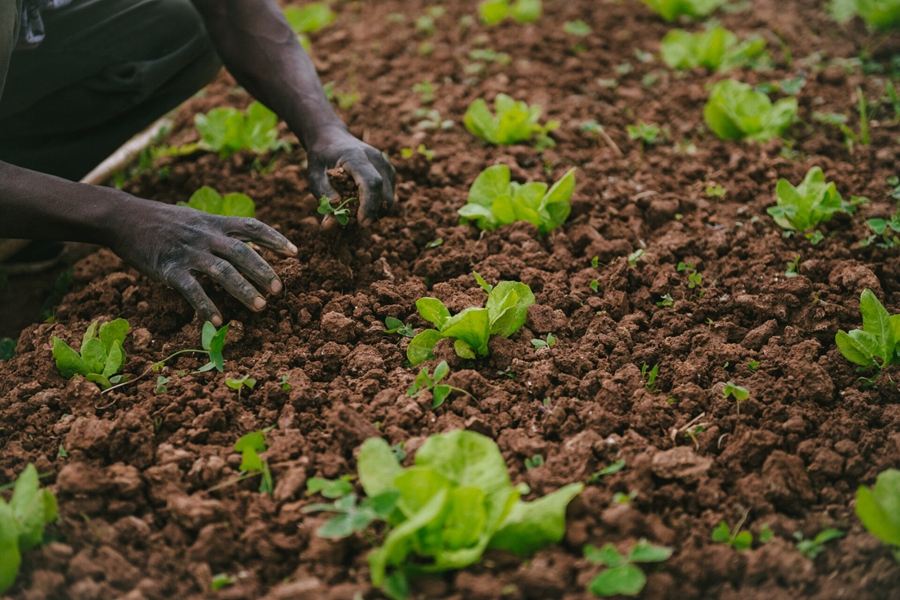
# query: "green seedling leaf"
x,y
227,130
493,12
578,28
879,14
515,122
735,111
102,356
425,382
611,469
879,507
812,548
309,18
22,523
672,9
875,344
329,488
208,200
623,576
806,206
716,49
220,581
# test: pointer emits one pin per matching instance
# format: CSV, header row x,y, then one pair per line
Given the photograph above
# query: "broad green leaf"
x,y
533,525
527,11
377,467
10,557
68,361
309,18
216,346
89,334
94,355
877,321
493,11
99,379
383,504
464,350
853,350
208,200
466,459
484,217
607,555
433,311
672,9
250,460
115,360
742,541
339,526
214,126
644,552
466,518
556,201
736,111
503,209
627,580
417,485
722,533
329,488
113,333
491,183
27,508
238,205
441,371
479,120
260,129
440,393
879,14
879,508
421,347
255,441
524,298
209,330
472,326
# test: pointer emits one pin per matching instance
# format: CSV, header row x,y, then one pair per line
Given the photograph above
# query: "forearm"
x,y
260,50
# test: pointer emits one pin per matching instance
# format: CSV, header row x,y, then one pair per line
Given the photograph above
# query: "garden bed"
x,y
137,516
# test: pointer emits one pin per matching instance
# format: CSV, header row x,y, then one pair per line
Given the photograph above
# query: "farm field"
x,y
670,291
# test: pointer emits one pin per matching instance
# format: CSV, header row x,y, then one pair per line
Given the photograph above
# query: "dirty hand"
x,y
174,243
374,175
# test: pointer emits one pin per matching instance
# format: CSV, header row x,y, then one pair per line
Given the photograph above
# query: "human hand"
x,y
173,243
374,175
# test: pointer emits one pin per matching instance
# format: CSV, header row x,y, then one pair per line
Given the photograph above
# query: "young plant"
x,y
339,212
672,9
493,12
227,130
648,134
879,509
534,462
494,200
793,268
239,384
456,502
650,375
310,17
396,326
735,111
695,278
875,345
252,464
22,522
231,205
879,14
330,488
439,391
716,49
101,357
504,314
733,390
352,517
539,343
812,548
880,227
515,122
805,207
578,28
737,539
623,576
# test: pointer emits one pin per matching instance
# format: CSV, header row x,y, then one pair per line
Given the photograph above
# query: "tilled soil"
x,y
138,519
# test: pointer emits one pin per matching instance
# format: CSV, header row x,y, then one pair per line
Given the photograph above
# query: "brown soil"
x,y
138,519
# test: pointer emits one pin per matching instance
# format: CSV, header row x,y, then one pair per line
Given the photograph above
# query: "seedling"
x,y
22,523
352,517
877,509
737,539
493,12
490,56
840,121
666,302
239,384
420,149
535,461
793,267
431,120
210,201
695,278
717,49
439,391
753,365
285,383
227,130
733,390
594,285
252,464
425,90
648,134
875,345
613,468
649,374
396,326
161,385
538,343
636,256
101,357
623,576
735,111
805,207
330,488
434,243
578,28
715,191
515,122
812,548
765,534
672,9
339,212
456,502
222,580
595,261
880,227
495,201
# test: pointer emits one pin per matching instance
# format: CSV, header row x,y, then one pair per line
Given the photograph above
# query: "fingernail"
x,y
292,248
216,320
275,286
259,303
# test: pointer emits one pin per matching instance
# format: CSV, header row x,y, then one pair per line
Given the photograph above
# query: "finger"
x,y
191,289
388,175
249,263
234,283
251,230
319,184
371,187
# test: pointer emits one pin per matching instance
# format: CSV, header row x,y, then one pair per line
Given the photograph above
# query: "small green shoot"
x,y
877,508
649,375
101,357
672,9
394,325
285,383
439,391
420,149
623,576
666,302
875,345
636,256
535,461
808,205
793,267
737,539
595,261
735,111
161,385
578,28
239,384
227,130
210,201
715,191
222,580
753,365
539,343
880,227
493,12
594,285
648,134
339,212
330,488
252,464
812,548
352,517
609,470
733,390
514,122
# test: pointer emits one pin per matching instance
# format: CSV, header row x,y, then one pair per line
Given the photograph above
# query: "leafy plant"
x,y
735,111
875,345
101,357
212,341
881,228
456,502
504,313
623,576
737,539
396,326
493,12
717,49
672,9
22,523
210,201
7,348
340,212
808,205
439,391
226,130
252,464
695,278
494,200
239,384
539,343
879,509
515,122
812,548
648,134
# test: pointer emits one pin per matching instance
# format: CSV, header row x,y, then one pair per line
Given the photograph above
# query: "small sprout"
x,y
339,212
812,548
539,343
330,488
252,464
594,285
623,576
650,375
101,356
396,326
765,534
425,90
431,120
239,384
595,261
621,498
161,385
220,581
793,267
716,49
61,453
715,191
670,10
420,149
733,390
635,256
648,134
439,391
578,28
309,18
535,461
613,468
737,539
666,301
285,383
434,243
353,518
753,365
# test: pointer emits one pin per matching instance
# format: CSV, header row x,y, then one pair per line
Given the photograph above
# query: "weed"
x,y
252,464
285,383
352,517
622,575
425,90
715,191
431,120
420,149
735,111
753,365
209,201
439,391
161,385
221,580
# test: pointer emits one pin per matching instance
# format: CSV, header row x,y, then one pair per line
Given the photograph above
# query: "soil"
x,y
138,518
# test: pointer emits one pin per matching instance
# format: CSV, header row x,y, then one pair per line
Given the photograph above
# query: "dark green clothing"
x,y
106,70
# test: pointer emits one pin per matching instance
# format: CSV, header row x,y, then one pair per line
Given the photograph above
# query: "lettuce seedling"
x,y
623,576
210,201
515,122
252,464
22,522
717,49
227,130
539,343
805,207
879,509
875,345
456,502
101,357
439,391
879,14
672,9
396,326
814,547
735,111
737,539
493,12
504,313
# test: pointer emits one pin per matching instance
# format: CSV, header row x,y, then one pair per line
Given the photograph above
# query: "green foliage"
x,y
439,391
879,14
221,580
239,384
608,470
309,18
812,548
7,348
493,12
534,462
740,394
396,326
672,9
881,227
875,345
101,357
352,517
339,212
735,111
213,343
879,509
22,522
648,134
515,122
456,502
494,200
505,312
739,540
805,207
252,463
623,576
329,488
231,205
577,28
717,49
227,130
650,375
538,343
